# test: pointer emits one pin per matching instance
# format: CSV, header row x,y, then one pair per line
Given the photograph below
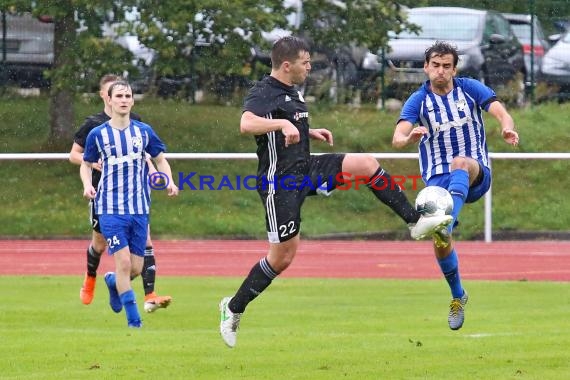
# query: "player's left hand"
x,y
321,134
89,192
511,137
97,165
172,189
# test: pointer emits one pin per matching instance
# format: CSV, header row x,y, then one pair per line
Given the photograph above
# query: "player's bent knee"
x,y
462,163
360,164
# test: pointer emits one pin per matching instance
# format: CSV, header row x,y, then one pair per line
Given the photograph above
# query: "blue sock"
x,y
114,299
458,188
129,302
450,269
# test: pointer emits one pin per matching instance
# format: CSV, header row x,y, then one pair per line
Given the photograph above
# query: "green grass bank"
x,y
43,199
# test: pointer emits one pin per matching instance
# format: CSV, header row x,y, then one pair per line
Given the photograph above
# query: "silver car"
x,y
556,66
488,49
28,45
521,25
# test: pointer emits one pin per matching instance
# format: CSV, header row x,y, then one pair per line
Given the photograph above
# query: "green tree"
x,y
211,38
214,38
81,54
364,23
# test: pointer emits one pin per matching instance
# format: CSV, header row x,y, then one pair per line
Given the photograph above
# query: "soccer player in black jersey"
x,y
276,114
98,243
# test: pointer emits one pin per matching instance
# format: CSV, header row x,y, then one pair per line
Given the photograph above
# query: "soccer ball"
x,y
434,200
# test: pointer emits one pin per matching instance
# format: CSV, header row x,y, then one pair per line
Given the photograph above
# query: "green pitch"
x,y
297,329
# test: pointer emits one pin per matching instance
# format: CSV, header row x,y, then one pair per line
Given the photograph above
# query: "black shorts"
x,y
284,199
94,218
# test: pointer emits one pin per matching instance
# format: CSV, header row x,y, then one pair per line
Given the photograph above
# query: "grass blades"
x,y
297,329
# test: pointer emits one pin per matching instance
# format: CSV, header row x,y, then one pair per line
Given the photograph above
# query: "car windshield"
x,y
438,26
522,31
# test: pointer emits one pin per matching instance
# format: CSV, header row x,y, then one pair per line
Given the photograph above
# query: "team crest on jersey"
x,y
461,105
301,97
137,142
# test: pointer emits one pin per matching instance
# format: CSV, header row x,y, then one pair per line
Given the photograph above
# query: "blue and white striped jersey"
x,y
123,188
454,122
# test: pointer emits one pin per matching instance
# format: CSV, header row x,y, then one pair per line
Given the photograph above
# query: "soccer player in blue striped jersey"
x,y
445,117
98,243
122,198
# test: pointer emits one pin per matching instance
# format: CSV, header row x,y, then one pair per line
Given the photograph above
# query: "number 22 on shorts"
x,y
287,229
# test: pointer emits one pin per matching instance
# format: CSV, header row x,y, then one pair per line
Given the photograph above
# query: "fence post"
x,y
3,70
489,211
532,33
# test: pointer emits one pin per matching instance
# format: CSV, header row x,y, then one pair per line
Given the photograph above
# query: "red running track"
x,y
512,260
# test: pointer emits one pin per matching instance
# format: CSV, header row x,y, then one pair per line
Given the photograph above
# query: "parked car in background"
x,y
488,49
29,49
534,47
556,67
562,25
333,70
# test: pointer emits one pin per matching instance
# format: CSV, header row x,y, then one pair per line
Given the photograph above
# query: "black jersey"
x,y
273,99
90,123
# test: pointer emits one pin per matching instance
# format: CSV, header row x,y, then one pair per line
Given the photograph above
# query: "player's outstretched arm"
x,y
151,167
499,112
251,124
76,154
321,134
164,167
85,174
405,134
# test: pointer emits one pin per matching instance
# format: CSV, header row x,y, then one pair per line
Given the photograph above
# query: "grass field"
x,y
298,329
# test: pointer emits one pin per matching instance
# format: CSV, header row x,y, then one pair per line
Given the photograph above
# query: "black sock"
x,y
258,279
390,193
148,274
93,259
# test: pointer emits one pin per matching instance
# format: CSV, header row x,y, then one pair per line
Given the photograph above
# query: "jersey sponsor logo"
x,y
442,127
301,115
114,160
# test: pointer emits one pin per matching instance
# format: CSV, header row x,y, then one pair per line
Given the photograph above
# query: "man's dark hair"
x,y
119,83
440,48
287,49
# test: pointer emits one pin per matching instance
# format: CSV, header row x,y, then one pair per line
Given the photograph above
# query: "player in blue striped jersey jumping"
x,y
122,197
445,117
